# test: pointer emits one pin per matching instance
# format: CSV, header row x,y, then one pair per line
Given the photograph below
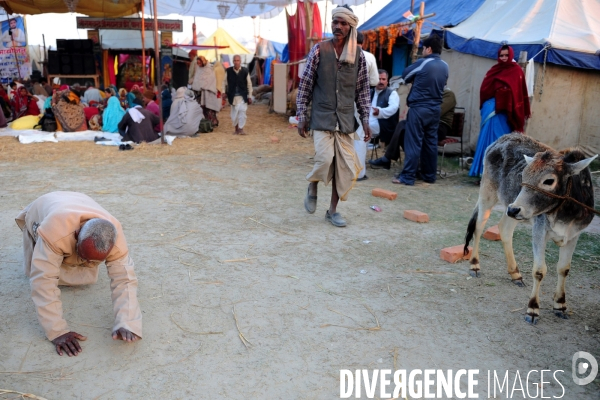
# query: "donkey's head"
x,y
549,172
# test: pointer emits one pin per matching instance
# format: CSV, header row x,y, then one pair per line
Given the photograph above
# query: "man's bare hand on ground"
x,y
302,131
69,343
124,335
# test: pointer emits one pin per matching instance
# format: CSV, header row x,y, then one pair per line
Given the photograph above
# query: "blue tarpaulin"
x,y
447,13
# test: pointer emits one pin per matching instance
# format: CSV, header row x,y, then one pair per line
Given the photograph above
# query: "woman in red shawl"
x,y
504,104
24,103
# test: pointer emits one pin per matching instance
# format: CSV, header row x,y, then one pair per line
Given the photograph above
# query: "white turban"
x,y
349,52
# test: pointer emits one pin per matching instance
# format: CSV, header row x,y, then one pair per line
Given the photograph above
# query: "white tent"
x,y
571,29
563,36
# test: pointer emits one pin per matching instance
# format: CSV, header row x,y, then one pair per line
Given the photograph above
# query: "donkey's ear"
x,y
528,159
579,166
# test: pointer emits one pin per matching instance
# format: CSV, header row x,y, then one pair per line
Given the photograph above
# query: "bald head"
x,y
237,61
96,239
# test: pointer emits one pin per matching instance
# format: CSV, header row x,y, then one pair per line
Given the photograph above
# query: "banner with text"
x,y
164,25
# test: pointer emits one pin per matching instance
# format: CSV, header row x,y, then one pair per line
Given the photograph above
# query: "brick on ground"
x,y
386,194
416,216
492,233
455,253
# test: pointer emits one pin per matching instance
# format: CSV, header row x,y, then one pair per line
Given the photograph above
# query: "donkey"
x,y
534,182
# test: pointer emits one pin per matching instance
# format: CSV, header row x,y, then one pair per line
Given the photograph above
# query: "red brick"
x,y
492,233
274,139
417,216
455,253
386,194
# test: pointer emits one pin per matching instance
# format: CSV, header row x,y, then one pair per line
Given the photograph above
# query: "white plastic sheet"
x,y
37,138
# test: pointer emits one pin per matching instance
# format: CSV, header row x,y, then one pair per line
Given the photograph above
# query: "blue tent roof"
x,y
447,13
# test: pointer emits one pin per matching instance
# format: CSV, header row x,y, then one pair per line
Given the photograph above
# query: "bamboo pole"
x,y
45,63
417,33
143,45
216,50
157,74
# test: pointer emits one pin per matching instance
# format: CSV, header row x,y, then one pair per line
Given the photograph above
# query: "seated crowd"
x,y
135,115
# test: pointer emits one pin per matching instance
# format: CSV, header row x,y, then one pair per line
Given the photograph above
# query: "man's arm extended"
x,y
123,284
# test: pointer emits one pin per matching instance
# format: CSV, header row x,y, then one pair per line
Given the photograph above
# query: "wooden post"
x,y
417,33
523,60
157,74
45,63
216,50
143,45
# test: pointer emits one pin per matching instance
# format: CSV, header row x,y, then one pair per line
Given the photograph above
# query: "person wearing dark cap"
x,y
139,124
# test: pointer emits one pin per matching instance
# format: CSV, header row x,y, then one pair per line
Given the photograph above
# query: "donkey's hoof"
x,y
561,314
531,319
518,282
475,274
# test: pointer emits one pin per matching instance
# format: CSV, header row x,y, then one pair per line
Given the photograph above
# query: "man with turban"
x,y
335,77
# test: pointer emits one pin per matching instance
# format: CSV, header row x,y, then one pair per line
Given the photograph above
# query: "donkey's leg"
x,y
507,227
488,197
562,270
539,238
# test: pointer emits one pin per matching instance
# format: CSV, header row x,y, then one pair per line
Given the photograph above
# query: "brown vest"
x,y
334,92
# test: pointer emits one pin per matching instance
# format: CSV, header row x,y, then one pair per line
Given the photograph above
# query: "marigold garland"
x,y
372,35
382,36
392,35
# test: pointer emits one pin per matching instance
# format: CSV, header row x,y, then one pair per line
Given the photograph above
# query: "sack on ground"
x,y
48,121
205,126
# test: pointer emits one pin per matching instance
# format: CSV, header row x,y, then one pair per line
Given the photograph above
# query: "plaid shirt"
x,y
307,83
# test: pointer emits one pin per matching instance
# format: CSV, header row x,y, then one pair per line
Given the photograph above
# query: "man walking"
x,y
428,77
335,77
239,90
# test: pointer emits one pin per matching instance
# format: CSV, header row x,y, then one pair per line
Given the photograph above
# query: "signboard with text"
x,y
164,25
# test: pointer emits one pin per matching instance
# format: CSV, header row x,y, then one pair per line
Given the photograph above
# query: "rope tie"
x,y
565,197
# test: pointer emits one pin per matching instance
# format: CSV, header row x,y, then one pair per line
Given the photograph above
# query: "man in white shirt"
x,y
385,111
371,61
359,145
13,36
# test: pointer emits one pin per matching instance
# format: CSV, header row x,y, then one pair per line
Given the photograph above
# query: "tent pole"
x,y
157,74
417,33
324,21
45,64
216,51
143,45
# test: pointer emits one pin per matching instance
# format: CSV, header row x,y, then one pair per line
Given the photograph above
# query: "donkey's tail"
x,y
471,229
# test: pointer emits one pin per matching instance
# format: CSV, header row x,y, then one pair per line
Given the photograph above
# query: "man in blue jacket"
x,y
428,77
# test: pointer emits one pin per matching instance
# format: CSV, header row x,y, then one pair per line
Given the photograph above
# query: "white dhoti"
x,y
361,151
238,112
335,156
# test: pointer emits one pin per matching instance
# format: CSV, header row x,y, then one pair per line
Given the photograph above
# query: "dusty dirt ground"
x,y
217,222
